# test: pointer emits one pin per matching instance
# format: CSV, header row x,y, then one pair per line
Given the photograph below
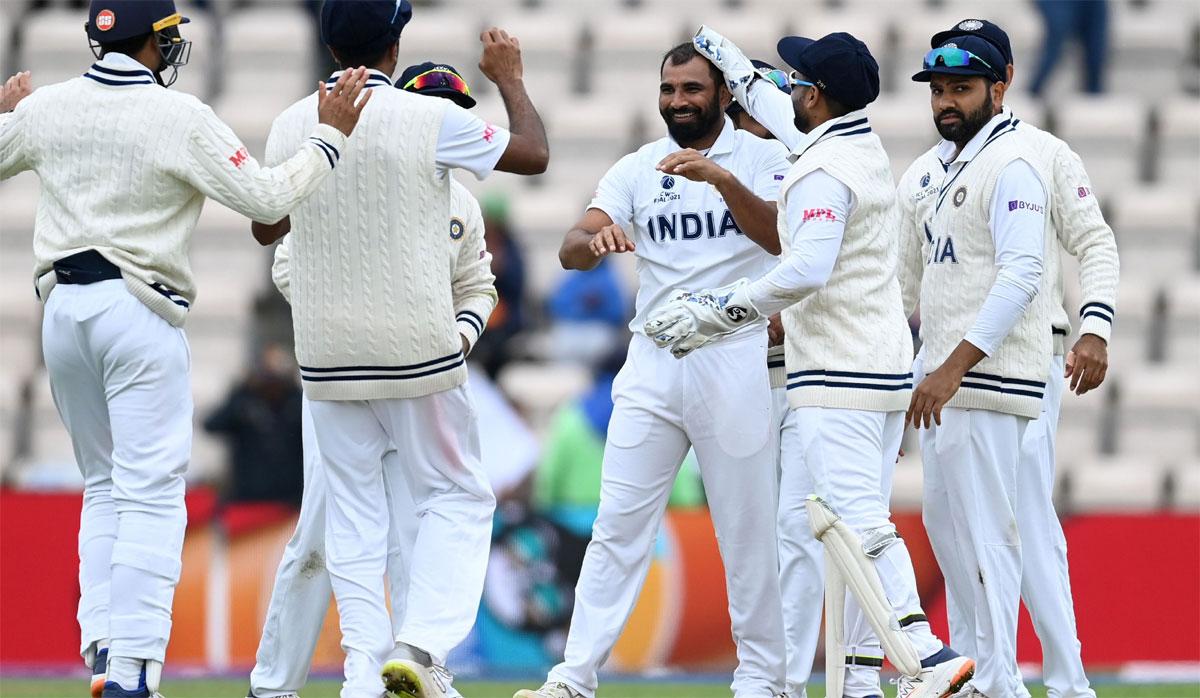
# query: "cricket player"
x,y
381,350
302,588
801,565
696,208
125,167
838,292
1080,228
982,372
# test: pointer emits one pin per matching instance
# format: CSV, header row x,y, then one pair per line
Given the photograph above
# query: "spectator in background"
x,y
260,421
1085,20
494,348
589,310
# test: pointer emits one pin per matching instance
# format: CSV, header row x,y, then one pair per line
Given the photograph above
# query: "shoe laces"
x,y
442,676
562,688
906,684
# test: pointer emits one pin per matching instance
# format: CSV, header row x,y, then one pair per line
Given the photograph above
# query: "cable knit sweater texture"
x,y
125,166
372,302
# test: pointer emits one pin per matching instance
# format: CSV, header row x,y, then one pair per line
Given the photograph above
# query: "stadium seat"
x,y
1164,386
1145,215
537,389
1179,143
1108,132
258,41
588,127
54,45
1187,486
1134,483
1149,34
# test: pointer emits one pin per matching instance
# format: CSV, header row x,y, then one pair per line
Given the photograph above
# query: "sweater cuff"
x,y
470,325
1097,319
329,141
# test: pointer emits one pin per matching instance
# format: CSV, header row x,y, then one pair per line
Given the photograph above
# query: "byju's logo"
x,y
668,182
1018,205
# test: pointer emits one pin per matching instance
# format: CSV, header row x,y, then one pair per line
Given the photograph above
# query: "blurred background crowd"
x,y
1118,79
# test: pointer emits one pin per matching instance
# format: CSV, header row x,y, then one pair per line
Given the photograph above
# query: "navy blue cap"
x,y
981,28
981,48
116,20
363,26
839,64
439,88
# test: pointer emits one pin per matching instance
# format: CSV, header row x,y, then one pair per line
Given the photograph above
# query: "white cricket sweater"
x,y
848,343
952,291
1075,216
125,166
371,290
473,284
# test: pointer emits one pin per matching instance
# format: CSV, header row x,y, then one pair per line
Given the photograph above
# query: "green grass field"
x,y
48,688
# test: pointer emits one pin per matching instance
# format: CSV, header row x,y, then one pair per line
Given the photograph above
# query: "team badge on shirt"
x,y
457,227
960,195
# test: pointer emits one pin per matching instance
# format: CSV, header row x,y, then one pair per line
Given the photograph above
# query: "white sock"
x,y
125,671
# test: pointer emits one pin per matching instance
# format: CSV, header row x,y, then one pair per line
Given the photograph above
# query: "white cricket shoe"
x,y
550,689
938,681
728,58
404,678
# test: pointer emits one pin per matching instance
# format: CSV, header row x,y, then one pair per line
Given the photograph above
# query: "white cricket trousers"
x,y
801,560
718,401
119,375
302,589
969,511
1045,581
849,456
438,438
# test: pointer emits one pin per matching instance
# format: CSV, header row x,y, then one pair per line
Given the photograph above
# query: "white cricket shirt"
x,y
686,236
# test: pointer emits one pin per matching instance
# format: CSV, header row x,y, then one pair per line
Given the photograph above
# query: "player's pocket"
x,y
629,426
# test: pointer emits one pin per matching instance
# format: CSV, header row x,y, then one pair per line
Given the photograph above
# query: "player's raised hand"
x,y
1087,364
691,164
610,239
15,89
339,106
501,59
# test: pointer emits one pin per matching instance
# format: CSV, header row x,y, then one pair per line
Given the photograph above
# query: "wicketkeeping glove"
x,y
688,321
728,58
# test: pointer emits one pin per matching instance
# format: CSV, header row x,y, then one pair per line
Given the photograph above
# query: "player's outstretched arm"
x,y
217,164
528,151
594,237
767,104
